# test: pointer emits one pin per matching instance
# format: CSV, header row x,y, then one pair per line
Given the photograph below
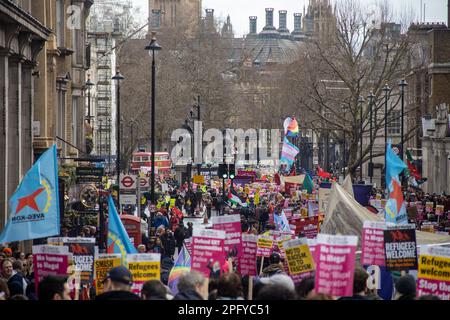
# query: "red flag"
x,y
323,174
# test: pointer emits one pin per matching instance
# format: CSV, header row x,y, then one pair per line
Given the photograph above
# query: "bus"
x,y
141,159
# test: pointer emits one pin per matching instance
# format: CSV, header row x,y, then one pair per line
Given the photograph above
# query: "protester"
x,y
53,288
4,291
359,285
141,248
117,285
6,269
192,286
305,289
275,266
405,288
17,283
230,287
154,290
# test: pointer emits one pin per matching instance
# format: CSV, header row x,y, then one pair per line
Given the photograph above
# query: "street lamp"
x,y
197,106
371,97
386,90
109,144
361,105
88,85
152,47
344,162
118,77
402,84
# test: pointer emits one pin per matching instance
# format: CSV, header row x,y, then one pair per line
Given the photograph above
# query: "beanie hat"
x,y
406,285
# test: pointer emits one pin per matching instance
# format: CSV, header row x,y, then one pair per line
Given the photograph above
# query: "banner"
x,y
143,267
247,261
34,206
208,255
103,263
400,247
118,239
324,195
231,224
373,243
83,251
298,256
335,264
50,260
306,227
434,272
264,246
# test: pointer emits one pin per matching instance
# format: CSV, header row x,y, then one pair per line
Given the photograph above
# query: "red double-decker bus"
x,y
140,159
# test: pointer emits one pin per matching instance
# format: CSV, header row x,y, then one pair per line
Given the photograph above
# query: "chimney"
x,y
209,18
253,24
269,18
282,15
297,22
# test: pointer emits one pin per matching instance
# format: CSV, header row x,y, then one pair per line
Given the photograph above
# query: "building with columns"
x,y
22,38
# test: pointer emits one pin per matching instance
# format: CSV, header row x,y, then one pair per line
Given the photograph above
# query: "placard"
x,y
429,207
143,267
400,247
373,243
434,272
247,261
324,195
298,256
231,224
264,246
103,263
208,255
439,210
335,264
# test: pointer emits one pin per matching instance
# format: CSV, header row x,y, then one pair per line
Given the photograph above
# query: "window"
x,y
394,122
74,120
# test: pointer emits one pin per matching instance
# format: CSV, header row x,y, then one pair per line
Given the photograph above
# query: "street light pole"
x,y
100,136
109,145
386,90
402,84
371,97
89,84
118,77
199,166
153,46
361,101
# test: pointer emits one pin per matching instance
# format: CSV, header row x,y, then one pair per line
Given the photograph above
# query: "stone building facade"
x,y
22,38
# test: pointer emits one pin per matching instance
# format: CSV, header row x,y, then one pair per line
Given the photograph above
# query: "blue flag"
x,y
118,240
34,206
395,210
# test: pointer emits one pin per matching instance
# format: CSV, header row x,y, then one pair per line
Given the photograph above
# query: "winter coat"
x,y
272,270
169,245
188,295
160,220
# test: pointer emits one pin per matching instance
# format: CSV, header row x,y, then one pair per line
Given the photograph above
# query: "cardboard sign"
x,y
103,263
231,224
434,272
373,243
247,261
324,195
400,247
429,207
199,179
427,227
439,210
143,267
264,246
298,256
50,260
335,264
208,254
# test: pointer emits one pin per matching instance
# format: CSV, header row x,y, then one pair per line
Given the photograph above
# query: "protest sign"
x,y
188,244
400,247
247,261
298,256
324,195
373,243
50,260
103,263
208,254
143,267
439,210
434,272
264,246
429,207
427,227
307,227
83,250
312,244
231,224
335,264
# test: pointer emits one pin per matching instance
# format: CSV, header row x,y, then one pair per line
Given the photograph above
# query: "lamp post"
x,y
151,48
386,90
100,136
197,106
344,162
371,97
361,105
402,84
88,85
118,77
109,144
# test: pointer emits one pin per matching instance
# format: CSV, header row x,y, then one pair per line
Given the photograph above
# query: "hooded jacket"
x,y
272,270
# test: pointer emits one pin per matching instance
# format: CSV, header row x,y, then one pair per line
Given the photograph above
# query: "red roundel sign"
x,y
127,181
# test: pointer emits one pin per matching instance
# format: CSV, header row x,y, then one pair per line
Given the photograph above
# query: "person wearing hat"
x,y
275,266
117,285
405,288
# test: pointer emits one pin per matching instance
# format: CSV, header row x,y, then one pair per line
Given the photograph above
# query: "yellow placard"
x,y
265,243
199,179
172,203
144,271
101,268
299,259
434,268
256,198
304,212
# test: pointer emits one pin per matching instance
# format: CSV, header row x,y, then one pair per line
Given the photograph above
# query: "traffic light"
x,y
231,171
223,171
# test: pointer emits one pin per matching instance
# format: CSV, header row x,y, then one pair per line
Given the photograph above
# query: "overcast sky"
x,y
240,10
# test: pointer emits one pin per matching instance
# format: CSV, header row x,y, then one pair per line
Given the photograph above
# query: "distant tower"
x,y
227,29
173,13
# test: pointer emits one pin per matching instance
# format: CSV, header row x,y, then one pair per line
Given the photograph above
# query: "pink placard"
x,y
208,255
231,224
335,264
373,243
247,261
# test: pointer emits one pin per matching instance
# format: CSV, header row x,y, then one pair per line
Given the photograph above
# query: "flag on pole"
x,y
323,174
281,221
182,265
234,198
288,152
34,206
395,210
290,127
118,240
308,184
